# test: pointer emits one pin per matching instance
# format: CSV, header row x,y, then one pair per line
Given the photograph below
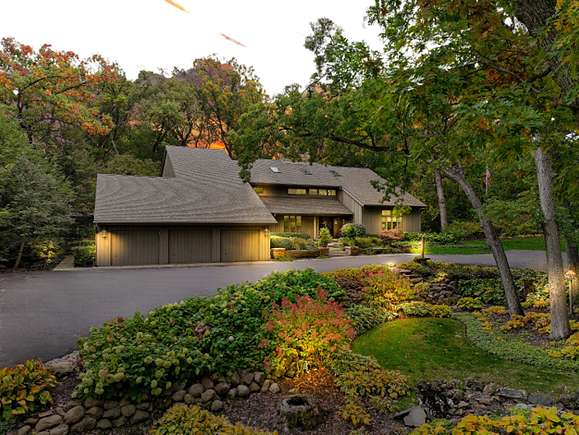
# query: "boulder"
x,y
196,390
540,399
207,383
259,377
415,417
104,424
222,388
65,365
511,393
112,413
85,425
90,403
254,387
232,394
208,395
59,430
48,422
178,396
216,406
109,404
188,399
144,406
265,386
234,379
95,412
274,388
139,417
121,421
24,430
247,378
242,390
300,412
74,415
128,410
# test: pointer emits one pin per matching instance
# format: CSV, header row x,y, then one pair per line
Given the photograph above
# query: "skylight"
x,y
274,169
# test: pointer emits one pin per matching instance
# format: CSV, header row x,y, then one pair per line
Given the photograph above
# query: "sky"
x,y
153,35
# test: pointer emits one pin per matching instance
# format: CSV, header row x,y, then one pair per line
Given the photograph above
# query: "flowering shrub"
x,y
305,333
185,420
391,235
24,389
538,420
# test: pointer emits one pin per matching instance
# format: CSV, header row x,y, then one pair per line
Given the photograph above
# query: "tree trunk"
x,y
514,306
441,201
557,291
19,256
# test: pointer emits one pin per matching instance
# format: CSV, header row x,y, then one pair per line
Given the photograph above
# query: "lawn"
x,y
480,246
428,349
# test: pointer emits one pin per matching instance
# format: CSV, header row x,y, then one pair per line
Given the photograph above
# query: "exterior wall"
x,y
352,204
308,225
372,220
133,245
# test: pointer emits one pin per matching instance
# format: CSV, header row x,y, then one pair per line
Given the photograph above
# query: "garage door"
x,y
135,247
189,246
240,245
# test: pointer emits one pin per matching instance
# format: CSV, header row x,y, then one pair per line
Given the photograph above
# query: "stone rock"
x,y
208,395
24,430
31,421
232,394
72,404
188,399
178,396
299,412
234,379
65,365
124,402
274,388
95,412
86,424
104,424
540,399
110,404
90,403
207,383
196,390
254,387
266,385
46,413
121,421
259,377
242,390
60,411
216,406
59,430
490,389
48,422
416,417
485,400
247,378
222,388
44,432
144,406
511,393
139,417
112,413
74,415
128,410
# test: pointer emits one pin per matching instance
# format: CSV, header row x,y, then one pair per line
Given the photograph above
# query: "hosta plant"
x,y
24,389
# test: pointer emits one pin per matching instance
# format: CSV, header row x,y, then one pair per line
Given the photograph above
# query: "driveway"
x,y
42,314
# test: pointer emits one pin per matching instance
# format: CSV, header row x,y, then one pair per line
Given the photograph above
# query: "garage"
x,y
118,246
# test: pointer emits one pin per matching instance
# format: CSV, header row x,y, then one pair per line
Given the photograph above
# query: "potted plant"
x,y
325,238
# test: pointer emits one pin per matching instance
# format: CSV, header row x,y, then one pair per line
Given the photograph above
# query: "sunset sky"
x,y
152,34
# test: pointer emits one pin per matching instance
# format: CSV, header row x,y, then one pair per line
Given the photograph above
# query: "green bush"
x,y
424,309
189,420
440,238
465,230
24,389
367,241
469,304
353,230
141,356
366,317
281,242
85,254
325,237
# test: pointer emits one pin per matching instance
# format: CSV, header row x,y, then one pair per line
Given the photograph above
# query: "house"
x,y
200,210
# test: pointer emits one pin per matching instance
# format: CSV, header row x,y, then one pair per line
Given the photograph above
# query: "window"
x,y
323,192
297,191
292,224
331,192
390,221
313,192
260,190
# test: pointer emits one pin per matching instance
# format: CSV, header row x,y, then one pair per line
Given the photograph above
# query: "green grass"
x,y
428,349
480,246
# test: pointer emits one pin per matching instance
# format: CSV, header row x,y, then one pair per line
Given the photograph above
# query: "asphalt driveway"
x,y
42,314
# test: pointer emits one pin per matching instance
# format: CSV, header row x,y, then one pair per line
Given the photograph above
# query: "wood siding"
x,y
412,222
372,220
353,206
124,246
308,225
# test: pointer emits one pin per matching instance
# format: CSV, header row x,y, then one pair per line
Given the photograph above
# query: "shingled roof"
x,y
357,182
305,206
206,189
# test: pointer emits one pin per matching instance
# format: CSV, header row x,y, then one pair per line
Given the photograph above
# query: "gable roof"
x,y
206,189
357,182
305,206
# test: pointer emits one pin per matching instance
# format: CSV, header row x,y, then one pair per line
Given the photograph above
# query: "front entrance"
x,y
334,224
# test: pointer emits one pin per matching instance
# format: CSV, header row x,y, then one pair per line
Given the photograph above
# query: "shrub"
x,y
24,389
353,230
366,317
510,348
538,420
325,237
469,304
181,419
440,238
281,242
391,235
304,236
424,309
570,350
367,241
361,378
141,357
85,254
465,230
305,333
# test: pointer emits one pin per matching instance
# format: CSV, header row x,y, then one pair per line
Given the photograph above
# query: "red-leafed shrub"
x,y
391,235
306,333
